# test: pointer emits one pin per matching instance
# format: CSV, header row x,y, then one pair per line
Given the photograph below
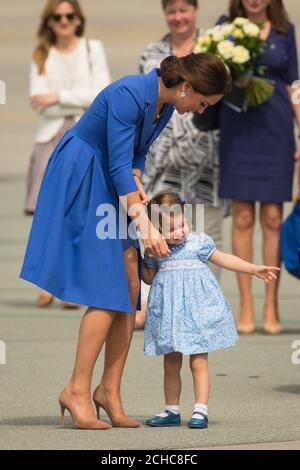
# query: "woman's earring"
x,y
183,94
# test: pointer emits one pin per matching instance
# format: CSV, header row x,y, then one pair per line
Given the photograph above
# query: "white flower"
x,y
251,30
240,55
198,49
241,21
227,29
216,33
226,49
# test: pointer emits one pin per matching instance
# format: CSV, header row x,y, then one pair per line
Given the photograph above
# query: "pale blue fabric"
x,y
187,310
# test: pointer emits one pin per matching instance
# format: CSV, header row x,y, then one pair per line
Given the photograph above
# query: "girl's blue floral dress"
x,y
187,311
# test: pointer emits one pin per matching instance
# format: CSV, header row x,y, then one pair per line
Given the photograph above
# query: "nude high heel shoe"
x,y
44,299
123,422
91,424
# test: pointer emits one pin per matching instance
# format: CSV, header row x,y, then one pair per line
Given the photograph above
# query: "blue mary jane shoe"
x,y
171,420
200,423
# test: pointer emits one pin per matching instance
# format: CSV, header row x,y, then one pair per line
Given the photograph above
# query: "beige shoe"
x,y
44,299
117,422
70,305
272,329
91,423
246,328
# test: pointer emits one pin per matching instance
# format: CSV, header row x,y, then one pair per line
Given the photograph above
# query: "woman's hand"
x,y
41,102
154,242
141,190
243,82
266,273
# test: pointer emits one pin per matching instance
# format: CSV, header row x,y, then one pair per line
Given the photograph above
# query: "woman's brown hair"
x,y
205,72
45,34
164,203
276,12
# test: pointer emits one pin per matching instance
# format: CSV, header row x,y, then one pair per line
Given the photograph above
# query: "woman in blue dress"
x,y
78,254
257,151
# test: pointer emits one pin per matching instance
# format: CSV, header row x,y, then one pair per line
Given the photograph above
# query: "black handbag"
x,y
209,120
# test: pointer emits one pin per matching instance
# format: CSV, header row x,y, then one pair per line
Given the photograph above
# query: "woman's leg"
x,y
271,220
242,236
172,379
117,346
93,331
200,373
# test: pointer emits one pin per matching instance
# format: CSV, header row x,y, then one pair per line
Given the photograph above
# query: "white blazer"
x,y
77,77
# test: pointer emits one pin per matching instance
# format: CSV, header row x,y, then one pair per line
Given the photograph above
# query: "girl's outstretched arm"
x,y
234,263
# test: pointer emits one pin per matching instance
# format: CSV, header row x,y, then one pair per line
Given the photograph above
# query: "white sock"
x,y
200,408
173,408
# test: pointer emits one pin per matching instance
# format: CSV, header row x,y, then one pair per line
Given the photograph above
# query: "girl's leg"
x,y
271,220
172,379
200,373
108,393
242,236
93,331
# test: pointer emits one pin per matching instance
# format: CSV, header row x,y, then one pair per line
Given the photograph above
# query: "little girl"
x,y
187,312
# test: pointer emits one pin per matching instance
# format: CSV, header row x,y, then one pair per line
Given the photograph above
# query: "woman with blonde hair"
x,y
67,72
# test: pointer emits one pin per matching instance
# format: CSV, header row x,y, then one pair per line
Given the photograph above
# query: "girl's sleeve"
x,y
206,247
292,73
123,115
151,261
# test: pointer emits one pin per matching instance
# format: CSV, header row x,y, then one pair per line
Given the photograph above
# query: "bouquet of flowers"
x,y
239,45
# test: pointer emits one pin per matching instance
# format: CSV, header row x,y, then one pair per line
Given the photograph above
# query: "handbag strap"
x,y
89,55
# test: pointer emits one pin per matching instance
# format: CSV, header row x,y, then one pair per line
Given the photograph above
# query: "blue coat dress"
x,y
92,165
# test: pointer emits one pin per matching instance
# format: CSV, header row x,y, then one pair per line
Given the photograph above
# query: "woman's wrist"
x,y
139,176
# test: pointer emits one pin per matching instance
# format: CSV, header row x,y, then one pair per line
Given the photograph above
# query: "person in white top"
x,y
66,74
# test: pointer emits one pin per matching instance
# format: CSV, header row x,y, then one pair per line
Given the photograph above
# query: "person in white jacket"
x,y
67,73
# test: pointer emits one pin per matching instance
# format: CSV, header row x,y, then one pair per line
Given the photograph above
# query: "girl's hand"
x,y
266,272
142,193
154,242
43,101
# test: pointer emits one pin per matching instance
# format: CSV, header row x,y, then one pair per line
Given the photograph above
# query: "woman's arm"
x,y
148,274
234,263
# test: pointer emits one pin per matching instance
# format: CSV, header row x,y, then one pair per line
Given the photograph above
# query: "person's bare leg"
x,y
200,373
271,220
108,393
172,379
94,328
242,237
141,317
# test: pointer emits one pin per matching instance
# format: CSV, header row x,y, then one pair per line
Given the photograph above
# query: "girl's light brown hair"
x,y
164,203
45,34
276,12
205,72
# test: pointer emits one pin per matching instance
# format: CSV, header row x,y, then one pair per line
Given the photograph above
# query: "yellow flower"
x,y
240,55
238,33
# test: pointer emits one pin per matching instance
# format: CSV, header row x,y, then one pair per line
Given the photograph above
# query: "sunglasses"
x,y
69,16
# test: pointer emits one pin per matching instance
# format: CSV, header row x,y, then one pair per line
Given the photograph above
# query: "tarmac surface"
x,y
255,398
